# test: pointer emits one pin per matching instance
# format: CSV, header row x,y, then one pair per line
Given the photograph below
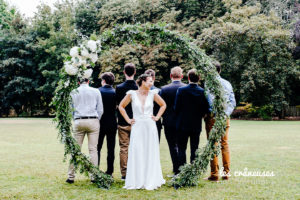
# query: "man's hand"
x,y
131,121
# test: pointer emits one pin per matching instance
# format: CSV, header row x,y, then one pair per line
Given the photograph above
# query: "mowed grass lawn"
x,y
32,167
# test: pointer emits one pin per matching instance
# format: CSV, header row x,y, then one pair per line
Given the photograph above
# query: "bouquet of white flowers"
x,y
82,58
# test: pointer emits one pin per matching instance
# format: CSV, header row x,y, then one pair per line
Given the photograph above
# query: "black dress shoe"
x,y
70,181
109,174
123,178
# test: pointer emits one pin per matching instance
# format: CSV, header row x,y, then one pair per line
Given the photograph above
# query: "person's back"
x,y
123,127
229,106
108,120
85,100
88,110
191,107
168,93
121,90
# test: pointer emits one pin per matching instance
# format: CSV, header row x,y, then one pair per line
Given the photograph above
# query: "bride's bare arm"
x,y
125,101
162,105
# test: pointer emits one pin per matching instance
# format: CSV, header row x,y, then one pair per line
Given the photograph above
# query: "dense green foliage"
x,y
6,15
256,55
254,46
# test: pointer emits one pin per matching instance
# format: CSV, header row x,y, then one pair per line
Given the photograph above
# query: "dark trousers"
x,y
182,145
159,133
111,141
171,136
159,127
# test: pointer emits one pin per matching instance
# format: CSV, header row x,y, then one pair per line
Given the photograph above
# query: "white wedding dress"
x,y
143,166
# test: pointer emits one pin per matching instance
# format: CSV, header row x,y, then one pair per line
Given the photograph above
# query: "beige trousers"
x,y
91,128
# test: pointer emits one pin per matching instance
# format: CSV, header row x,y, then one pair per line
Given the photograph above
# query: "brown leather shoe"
x,y
226,178
212,178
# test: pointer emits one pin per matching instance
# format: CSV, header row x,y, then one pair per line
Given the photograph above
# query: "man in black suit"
x,y
123,127
156,108
190,105
108,122
168,93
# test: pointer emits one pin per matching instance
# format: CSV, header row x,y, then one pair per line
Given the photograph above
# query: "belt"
x,y
86,118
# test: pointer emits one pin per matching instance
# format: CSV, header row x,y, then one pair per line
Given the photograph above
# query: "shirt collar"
x,y
176,81
193,84
84,85
130,81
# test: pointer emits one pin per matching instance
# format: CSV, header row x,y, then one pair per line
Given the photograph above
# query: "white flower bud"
x,y
74,51
92,45
70,69
76,61
87,73
67,83
85,52
94,57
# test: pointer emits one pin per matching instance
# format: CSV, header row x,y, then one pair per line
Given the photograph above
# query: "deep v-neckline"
x,y
142,105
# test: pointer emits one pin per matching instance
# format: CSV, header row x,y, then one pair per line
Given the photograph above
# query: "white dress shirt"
x,y
87,102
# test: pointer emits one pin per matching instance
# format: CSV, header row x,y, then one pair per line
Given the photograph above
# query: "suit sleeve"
x,y
160,93
207,104
232,102
118,100
100,109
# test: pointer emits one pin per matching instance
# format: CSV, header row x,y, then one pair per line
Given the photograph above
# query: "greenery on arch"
x,y
146,34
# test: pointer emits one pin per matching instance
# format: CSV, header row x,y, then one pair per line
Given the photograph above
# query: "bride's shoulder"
x,y
131,92
154,91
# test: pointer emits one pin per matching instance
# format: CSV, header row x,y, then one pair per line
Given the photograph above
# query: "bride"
x,y
143,166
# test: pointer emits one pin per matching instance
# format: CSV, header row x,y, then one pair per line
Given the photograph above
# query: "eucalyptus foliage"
x,y
147,34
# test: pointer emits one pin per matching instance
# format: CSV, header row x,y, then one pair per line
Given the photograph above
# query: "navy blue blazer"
x,y
168,93
108,120
190,105
156,109
121,90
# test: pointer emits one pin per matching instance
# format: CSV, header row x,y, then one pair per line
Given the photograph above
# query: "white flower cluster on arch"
x,y
82,58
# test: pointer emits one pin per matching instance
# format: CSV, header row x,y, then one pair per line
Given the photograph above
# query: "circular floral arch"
x,y
82,58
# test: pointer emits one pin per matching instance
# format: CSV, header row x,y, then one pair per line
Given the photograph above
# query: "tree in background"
x,y
144,57
255,50
54,34
19,75
6,15
87,16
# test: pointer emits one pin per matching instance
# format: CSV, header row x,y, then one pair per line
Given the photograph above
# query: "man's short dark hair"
x,y
108,77
193,76
82,80
151,72
218,66
129,69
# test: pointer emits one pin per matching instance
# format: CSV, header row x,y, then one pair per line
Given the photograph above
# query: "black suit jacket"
x,y
108,120
120,94
190,105
156,109
168,93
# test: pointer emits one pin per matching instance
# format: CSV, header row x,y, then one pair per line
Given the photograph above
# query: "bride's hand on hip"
x,y
131,121
155,118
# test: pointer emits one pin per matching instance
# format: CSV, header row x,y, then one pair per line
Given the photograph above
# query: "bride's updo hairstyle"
x,y
142,78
